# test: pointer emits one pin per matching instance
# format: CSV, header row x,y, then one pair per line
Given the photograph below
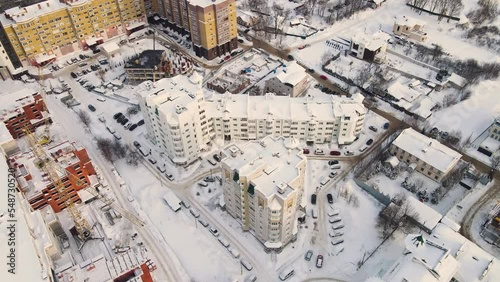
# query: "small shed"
x,y
392,161
110,48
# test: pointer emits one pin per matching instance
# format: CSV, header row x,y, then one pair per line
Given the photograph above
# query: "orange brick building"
x,y
22,108
34,182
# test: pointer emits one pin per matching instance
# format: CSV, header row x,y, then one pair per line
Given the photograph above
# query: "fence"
x,y
424,65
433,13
385,200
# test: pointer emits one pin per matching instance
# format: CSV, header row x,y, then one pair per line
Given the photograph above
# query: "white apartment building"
x,y
290,81
182,123
263,187
175,118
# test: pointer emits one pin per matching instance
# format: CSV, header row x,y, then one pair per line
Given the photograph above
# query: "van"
x,y
101,99
287,273
362,149
314,213
251,278
325,180
246,264
224,242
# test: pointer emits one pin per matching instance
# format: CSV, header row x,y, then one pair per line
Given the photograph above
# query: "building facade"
x,y
410,27
263,184
41,32
429,157
291,81
21,109
36,185
369,47
182,123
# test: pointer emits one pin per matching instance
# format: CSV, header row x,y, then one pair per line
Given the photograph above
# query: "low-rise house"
x,y
369,47
290,81
429,157
410,27
491,144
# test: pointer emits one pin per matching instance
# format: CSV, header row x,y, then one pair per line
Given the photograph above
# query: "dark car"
x,y
217,157
73,75
141,122
120,119
313,199
117,115
369,142
82,57
310,70
309,255
240,40
137,144
333,162
329,197
386,125
124,121
306,151
95,51
132,127
91,108
290,57
334,153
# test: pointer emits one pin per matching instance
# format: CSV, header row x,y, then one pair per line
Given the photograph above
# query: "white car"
x,y
337,226
203,222
349,153
335,219
195,213
319,152
214,231
337,241
224,242
336,234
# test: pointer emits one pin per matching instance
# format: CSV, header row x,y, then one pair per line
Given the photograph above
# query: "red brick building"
x,y
35,183
22,108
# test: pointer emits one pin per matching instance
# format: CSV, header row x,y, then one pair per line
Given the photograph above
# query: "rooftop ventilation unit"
x,y
281,187
178,109
262,144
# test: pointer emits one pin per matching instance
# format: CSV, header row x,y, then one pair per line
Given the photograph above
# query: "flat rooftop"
x,y
427,149
148,59
292,73
371,41
205,3
11,102
23,14
277,159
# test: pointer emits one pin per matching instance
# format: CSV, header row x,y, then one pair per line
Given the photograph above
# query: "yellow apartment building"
x,y
41,32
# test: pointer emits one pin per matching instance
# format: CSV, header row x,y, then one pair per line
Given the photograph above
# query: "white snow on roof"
x,y
291,74
393,161
28,267
110,47
403,92
11,102
427,216
274,162
134,25
475,262
5,135
408,21
423,108
205,3
19,15
371,41
284,107
427,149
41,58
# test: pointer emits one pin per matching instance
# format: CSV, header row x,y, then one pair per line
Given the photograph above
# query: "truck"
x,y
172,201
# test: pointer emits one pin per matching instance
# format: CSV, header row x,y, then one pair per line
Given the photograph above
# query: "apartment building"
x,y
290,81
41,32
175,117
181,122
78,172
23,108
263,183
425,154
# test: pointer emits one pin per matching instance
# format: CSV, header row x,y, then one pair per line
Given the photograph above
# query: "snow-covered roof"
x,y
291,74
92,40
19,15
41,58
423,260
284,107
403,92
5,135
490,144
135,25
12,102
427,149
393,161
275,164
371,41
205,3
28,266
427,216
475,263
408,21
423,107
110,47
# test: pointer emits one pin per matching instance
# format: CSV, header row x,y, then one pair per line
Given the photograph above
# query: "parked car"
x,y
214,231
141,122
136,144
369,142
73,75
209,179
132,127
334,153
373,128
91,108
334,234
240,40
169,176
319,261
309,255
329,197
386,125
349,153
323,77
152,161
332,174
335,219
319,152
333,162
337,241
124,121
290,57
306,151
217,157
195,213
313,199
117,115
203,222
203,184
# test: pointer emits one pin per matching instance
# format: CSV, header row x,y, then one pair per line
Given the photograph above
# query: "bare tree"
x,y
449,100
363,76
118,149
132,157
399,215
105,147
84,117
101,74
280,16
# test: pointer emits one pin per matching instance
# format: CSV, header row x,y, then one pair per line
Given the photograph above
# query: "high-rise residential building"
x,y
77,172
263,188
211,24
21,109
41,32
182,123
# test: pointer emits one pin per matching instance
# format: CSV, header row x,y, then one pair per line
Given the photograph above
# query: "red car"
x,y
227,58
334,153
306,151
323,77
